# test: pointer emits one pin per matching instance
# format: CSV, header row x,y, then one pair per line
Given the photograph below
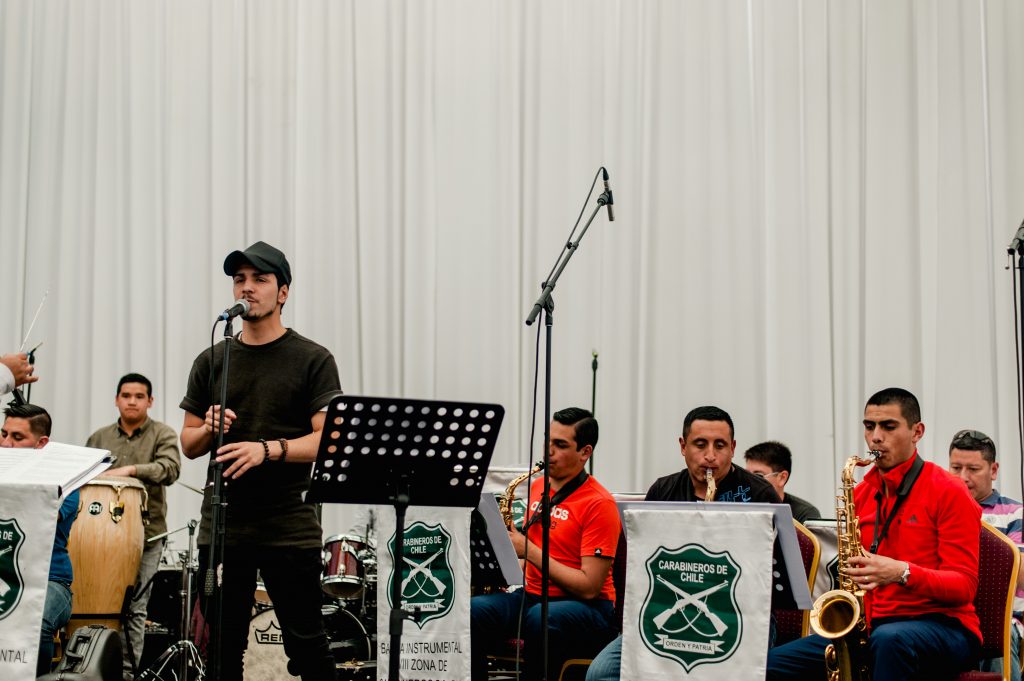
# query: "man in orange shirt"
x,y
584,534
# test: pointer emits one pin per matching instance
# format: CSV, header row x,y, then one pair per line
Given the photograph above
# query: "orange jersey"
x,y
585,524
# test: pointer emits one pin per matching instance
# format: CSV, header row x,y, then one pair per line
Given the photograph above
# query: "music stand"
x,y
393,451
493,560
789,582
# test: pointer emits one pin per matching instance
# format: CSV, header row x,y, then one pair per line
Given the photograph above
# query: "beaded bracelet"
x,y
266,450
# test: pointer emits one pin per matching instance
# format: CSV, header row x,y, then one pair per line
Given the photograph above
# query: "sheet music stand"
x,y
493,560
789,582
380,450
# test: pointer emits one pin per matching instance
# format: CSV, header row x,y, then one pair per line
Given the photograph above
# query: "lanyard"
x,y
901,493
559,496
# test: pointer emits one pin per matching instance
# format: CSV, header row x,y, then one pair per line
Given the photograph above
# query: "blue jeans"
x,y
901,650
56,613
996,664
575,629
607,665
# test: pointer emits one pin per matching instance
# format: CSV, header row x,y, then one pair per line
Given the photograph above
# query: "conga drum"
x,y
105,546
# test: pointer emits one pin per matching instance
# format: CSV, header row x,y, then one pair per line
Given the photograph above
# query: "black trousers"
x,y
292,579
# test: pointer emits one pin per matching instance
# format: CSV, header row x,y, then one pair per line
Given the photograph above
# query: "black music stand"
x,y
380,450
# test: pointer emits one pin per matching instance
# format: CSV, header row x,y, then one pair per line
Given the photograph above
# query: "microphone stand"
x,y
218,508
593,401
1016,248
546,304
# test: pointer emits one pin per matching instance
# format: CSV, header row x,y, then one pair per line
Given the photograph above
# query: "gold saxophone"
x,y
506,499
709,479
838,615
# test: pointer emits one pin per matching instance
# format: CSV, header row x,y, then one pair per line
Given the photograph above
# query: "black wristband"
x,y
284,448
266,450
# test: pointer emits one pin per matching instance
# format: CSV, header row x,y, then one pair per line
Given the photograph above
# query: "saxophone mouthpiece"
x,y
874,453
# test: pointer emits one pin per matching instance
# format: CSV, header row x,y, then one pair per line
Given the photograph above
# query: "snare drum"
x,y
344,573
105,547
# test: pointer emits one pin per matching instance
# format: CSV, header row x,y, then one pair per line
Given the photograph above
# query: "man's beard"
x,y
255,317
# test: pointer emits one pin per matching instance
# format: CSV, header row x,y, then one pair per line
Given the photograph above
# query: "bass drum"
x,y
265,659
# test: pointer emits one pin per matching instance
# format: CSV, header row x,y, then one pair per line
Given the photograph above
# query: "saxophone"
x,y
709,479
506,499
838,615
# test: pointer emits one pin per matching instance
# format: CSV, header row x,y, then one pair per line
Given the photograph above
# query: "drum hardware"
x,y
189,664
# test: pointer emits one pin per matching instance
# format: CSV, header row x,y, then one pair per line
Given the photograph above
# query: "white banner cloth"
x,y
28,518
435,581
828,560
698,585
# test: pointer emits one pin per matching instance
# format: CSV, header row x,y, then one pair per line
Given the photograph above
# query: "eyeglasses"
x,y
966,437
766,475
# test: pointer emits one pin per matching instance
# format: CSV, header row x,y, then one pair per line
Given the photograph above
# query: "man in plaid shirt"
x,y
972,457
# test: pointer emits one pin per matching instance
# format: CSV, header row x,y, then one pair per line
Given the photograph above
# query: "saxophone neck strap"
x,y
901,493
558,497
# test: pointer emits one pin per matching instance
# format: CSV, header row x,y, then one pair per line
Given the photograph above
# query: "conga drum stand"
x,y
398,452
182,656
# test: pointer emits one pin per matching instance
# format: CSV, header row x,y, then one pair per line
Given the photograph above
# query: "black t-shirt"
x,y
274,390
803,510
739,485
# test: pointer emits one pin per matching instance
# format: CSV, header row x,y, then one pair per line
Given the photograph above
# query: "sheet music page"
x,y
65,466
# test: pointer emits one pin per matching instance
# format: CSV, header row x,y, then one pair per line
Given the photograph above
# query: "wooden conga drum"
x,y
105,545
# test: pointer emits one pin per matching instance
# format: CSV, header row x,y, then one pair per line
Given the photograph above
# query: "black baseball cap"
x,y
262,256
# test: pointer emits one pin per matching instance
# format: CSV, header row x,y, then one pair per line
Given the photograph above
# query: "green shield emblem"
x,y
428,585
11,582
690,614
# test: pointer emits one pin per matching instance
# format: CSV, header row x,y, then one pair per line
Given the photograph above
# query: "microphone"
x,y
606,199
240,307
1018,239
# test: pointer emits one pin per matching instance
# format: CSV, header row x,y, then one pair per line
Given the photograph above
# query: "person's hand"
x,y
242,455
18,363
121,472
212,422
871,571
518,541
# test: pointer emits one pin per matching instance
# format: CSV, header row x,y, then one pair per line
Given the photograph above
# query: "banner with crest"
x,y
28,521
435,583
698,588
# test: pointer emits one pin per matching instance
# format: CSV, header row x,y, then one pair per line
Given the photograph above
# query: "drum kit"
x,y
106,547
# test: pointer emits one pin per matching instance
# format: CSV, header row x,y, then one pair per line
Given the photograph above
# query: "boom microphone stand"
x,y
546,304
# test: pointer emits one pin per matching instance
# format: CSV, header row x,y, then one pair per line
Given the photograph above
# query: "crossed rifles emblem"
x,y
699,602
423,569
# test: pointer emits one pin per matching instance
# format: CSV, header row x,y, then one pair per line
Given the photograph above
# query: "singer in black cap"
x,y
278,389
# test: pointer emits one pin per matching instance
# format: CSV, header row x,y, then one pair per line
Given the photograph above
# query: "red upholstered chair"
x,y
998,565
792,624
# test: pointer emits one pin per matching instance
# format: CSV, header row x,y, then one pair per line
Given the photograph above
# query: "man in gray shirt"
x,y
147,450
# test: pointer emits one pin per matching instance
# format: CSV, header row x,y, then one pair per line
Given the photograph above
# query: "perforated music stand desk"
x,y
381,450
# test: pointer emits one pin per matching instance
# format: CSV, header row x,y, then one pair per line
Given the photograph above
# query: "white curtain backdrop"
x,y
812,197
